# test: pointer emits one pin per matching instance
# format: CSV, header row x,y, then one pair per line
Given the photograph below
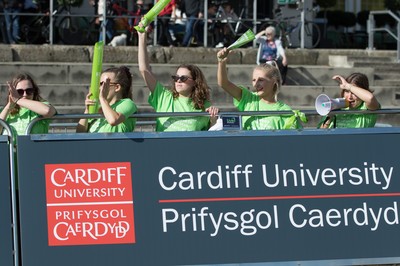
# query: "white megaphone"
x,y
324,104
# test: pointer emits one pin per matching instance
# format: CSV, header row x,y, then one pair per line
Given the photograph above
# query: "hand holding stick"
x,y
151,15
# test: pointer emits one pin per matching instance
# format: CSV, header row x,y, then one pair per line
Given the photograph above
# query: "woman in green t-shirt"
x,y
355,89
115,98
267,83
24,104
189,93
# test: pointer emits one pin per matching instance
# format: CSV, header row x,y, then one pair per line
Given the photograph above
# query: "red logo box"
x,y
89,204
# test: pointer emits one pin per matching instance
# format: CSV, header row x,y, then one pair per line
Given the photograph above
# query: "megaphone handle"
x,y
328,121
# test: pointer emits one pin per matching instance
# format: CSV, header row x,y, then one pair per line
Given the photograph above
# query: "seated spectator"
x,y
108,23
177,28
271,49
198,27
225,15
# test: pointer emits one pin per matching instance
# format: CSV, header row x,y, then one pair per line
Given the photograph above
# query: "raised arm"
x,y
113,117
261,33
38,107
365,95
143,58
222,76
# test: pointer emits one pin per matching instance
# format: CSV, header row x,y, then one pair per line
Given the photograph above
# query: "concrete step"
x,y
386,75
388,82
379,65
371,59
80,73
68,83
63,72
322,75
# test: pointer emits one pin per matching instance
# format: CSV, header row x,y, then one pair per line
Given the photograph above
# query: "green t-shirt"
x,y
125,107
162,100
250,101
353,120
19,122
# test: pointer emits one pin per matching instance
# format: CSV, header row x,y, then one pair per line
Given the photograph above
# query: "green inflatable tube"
x,y
248,36
152,14
96,74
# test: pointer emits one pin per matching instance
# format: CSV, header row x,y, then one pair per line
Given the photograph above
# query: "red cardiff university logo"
x,y
89,204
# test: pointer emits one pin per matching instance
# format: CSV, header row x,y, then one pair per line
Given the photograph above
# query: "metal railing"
x,y
371,29
53,15
14,207
63,117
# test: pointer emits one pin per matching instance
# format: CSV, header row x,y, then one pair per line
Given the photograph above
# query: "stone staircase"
x,y
386,69
63,72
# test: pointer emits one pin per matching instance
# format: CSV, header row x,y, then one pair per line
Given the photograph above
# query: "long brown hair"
x,y
36,93
201,92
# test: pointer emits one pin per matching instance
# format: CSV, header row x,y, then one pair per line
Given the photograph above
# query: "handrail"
x,y
14,206
53,14
186,114
103,27
371,29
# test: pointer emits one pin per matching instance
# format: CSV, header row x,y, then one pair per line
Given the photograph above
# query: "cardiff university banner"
x,y
207,198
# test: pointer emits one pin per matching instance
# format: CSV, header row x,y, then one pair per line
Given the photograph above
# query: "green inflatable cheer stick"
x,y
96,73
248,36
152,14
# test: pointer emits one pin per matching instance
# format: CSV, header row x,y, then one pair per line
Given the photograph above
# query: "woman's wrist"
x,y
9,106
223,59
12,104
17,100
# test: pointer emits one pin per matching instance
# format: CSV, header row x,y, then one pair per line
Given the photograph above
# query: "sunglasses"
x,y
111,83
181,78
28,91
